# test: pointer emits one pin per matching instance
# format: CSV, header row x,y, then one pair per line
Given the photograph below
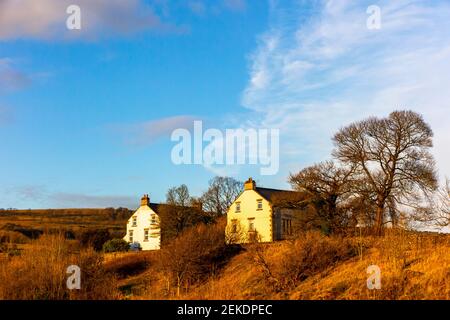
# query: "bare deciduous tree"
x,y
235,233
327,182
221,193
393,155
443,205
194,255
180,212
179,196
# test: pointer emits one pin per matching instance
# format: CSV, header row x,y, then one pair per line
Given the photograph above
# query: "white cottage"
x,y
143,227
254,213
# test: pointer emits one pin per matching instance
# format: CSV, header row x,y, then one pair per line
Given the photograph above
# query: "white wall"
x,y
262,218
143,218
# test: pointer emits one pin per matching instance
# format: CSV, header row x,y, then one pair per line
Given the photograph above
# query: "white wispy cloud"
x,y
46,19
41,194
81,200
204,7
147,132
318,67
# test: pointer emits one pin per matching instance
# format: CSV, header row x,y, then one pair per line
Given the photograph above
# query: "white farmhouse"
x,y
143,227
261,212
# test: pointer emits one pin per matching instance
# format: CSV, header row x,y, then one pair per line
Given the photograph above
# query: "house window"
x,y
287,226
233,226
259,204
145,234
134,224
131,236
238,207
153,219
251,225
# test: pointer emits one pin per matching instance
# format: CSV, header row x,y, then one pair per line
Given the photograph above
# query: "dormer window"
x,y
259,204
238,207
134,222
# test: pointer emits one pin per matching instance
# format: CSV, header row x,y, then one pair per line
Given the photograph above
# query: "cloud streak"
x,y
313,73
202,7
46,19
148,132
80,200
10,78
40,194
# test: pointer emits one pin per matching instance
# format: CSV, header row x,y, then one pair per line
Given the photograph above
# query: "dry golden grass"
x,y
39,272
413,266
75,220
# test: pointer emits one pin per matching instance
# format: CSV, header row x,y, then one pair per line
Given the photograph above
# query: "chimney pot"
x,y
145,200
249,184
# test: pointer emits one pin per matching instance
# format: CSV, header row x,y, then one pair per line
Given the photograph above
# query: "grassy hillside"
x,y
413,266
21,221
198,265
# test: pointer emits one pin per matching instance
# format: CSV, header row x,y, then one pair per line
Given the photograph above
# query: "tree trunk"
x,y
379,220
178,286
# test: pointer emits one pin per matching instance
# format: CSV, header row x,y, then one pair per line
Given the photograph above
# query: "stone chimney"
x,y
249,184
145,200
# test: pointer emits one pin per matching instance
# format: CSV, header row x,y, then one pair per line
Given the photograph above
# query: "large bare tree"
x,y
393,155
221,193
327,182
180,212
443,205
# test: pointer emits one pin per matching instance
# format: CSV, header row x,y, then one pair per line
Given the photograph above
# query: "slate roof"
x,y
268,193
158,206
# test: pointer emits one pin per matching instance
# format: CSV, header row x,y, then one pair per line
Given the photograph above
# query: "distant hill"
x,y
33,221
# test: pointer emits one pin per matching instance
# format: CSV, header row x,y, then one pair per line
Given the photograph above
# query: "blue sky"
x,y
86,116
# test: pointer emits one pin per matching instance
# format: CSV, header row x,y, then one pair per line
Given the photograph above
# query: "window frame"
x,y
234,226
251,222
258,203
131,236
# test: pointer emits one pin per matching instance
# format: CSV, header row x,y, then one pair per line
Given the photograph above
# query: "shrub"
x,y
285,267
28,232
13,237
116,245
94,238
195,255
129,264
40,273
